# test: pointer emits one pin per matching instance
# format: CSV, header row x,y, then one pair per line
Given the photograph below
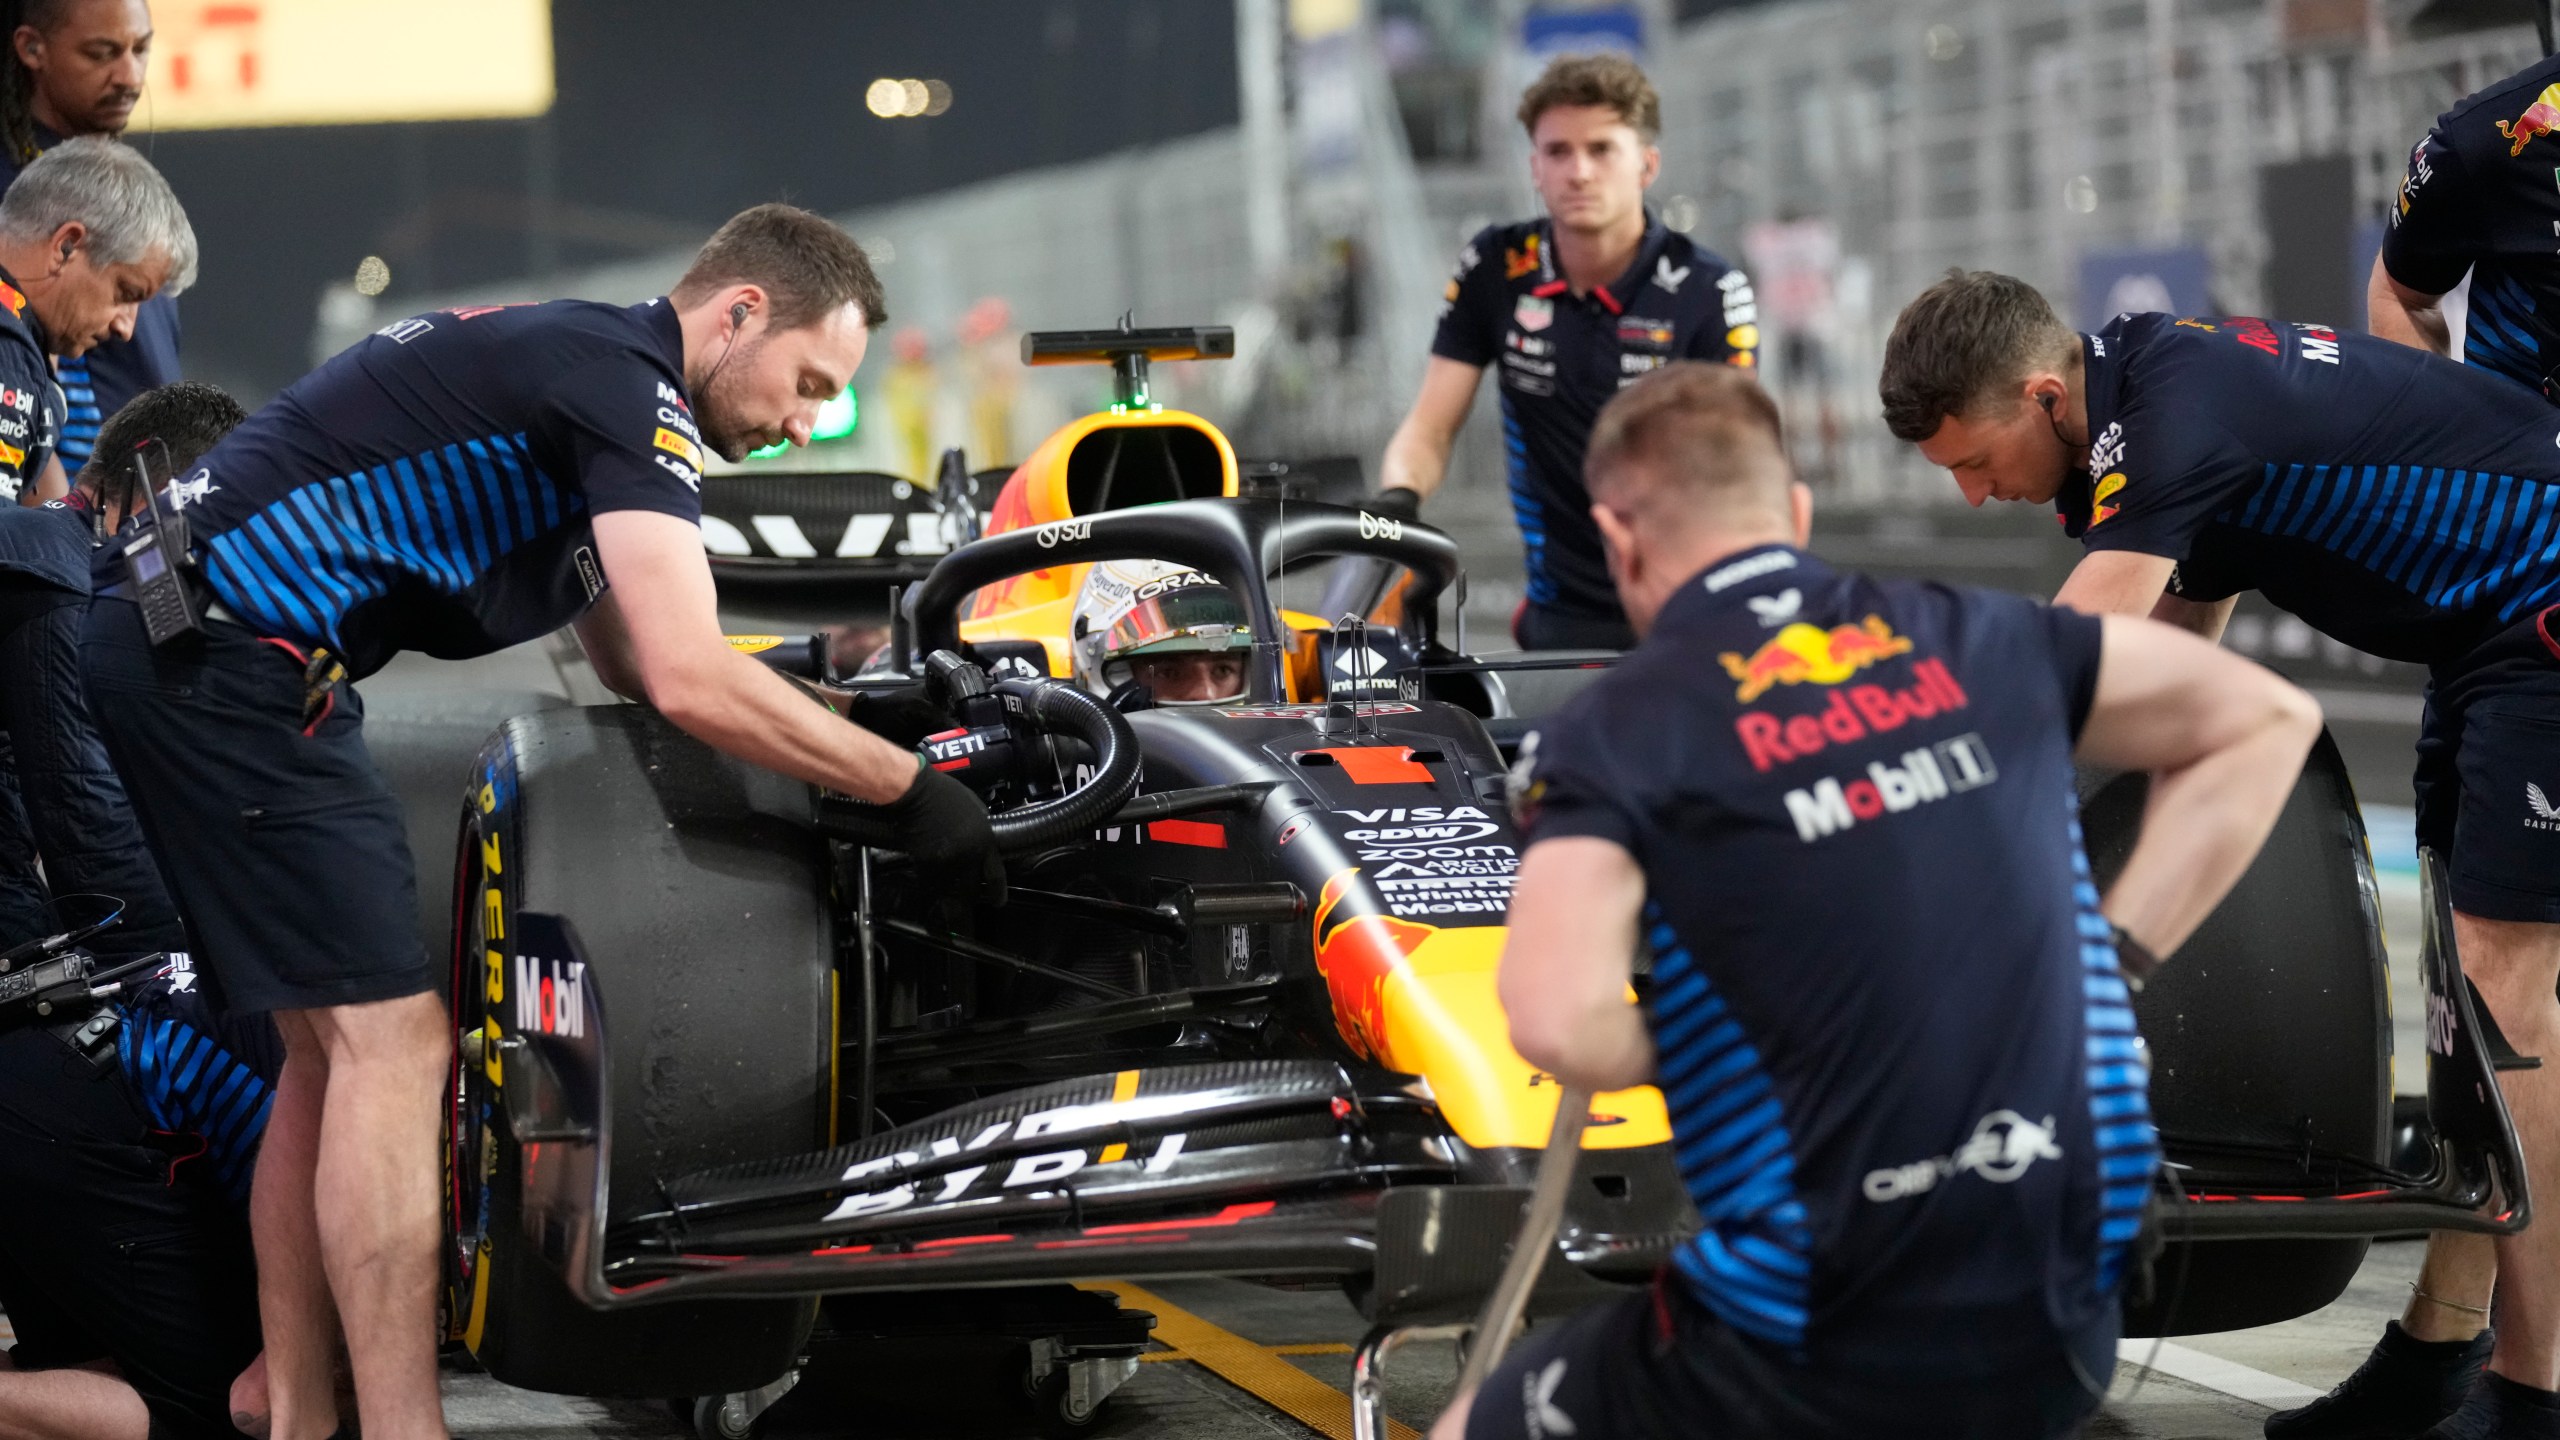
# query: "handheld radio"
x,y
158,561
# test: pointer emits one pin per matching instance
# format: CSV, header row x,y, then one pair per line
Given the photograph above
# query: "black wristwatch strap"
x,y
2134,959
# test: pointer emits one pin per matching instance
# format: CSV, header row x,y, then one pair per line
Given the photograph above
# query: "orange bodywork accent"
x,y
1377,764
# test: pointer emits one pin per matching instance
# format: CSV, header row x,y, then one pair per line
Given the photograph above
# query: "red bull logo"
x,y
1355,957
1516,263
2539,118
2099,510
1803,654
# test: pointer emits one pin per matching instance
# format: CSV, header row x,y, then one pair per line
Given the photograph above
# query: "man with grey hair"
x,y
88,232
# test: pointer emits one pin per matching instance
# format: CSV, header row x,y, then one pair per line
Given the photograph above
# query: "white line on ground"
x,y
2230,1377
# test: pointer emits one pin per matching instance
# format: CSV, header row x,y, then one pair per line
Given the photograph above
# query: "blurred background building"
x,y
1305,170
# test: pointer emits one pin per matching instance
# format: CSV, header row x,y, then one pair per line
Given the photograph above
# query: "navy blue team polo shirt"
x,y
1562,356
31,404
431,487
1904,1084
2393,499
2482,195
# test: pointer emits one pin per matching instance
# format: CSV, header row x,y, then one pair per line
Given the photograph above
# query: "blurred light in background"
x,y
343,62
372,275
905,99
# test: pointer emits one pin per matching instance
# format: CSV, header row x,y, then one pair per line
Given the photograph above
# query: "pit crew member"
x,y
2477,199
1175,632
1839,813
83,233
126,1148
458,482
1568,308
59,797
78,67
2395,501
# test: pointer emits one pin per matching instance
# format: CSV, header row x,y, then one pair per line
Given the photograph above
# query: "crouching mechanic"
x,y
2397,502
458,482
125,1155
1159,628
1917,1221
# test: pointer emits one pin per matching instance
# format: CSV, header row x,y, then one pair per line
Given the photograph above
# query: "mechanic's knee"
x,y
407,1034
2514,963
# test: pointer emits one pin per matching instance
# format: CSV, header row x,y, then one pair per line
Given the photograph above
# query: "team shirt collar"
x,y
1765,574
14,301
2102,392
659,316
1612,297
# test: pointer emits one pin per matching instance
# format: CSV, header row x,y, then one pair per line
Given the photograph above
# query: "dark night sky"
x,y
673,115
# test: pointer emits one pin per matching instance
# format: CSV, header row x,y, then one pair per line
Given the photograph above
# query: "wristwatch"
x,y
2134,959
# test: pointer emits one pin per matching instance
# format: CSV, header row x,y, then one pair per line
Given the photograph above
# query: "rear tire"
x,y
699,896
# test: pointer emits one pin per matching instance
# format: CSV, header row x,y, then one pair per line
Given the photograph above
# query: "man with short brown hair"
x,y
1586,299
458,482
2397,502
1838,813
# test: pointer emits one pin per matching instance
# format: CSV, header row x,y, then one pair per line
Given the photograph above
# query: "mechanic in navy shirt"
x,y
458,482
125,1155
77,67
2394,500
1567,309
2478,200
1885,1003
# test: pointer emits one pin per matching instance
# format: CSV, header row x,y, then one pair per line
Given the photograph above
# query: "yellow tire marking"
x,y
1255,1369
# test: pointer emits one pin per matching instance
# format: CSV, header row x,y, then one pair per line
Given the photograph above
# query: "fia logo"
x,y
1380,527
1056,531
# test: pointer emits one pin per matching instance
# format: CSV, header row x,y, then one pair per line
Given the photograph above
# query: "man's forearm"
x,y
1608,1050
2397,316
737,706
1413,462
2204,823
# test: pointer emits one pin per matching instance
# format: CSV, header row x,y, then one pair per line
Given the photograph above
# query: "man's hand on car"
x,y
1397,501
901,717
943,825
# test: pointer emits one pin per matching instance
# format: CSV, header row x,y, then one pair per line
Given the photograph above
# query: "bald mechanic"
x,y
2395,501
460,481
1886,1007
73,68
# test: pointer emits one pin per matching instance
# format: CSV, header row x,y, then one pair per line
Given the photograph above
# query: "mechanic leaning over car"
x,y
77,67
458,482
2395,501
1594,294
2472,202
1889,1009
88,232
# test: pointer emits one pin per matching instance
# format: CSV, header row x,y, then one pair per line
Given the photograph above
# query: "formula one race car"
x,y
724,1054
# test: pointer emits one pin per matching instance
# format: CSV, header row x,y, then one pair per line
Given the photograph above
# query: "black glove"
x,y
1397,502
901,717
943,825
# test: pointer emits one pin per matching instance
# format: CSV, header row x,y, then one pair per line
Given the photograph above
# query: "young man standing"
x,y
1825,925
456,483
1569,307
77,67
2395,501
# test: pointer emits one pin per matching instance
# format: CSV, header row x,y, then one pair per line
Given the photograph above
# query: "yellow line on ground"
x,y
1313,1347
1255,1369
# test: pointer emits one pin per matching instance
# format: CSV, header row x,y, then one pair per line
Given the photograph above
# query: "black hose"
x,y
1067,709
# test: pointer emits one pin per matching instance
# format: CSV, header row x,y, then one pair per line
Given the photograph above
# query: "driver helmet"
x,y
1181,632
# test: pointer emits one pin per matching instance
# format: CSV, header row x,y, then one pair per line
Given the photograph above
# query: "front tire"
x,y
699,896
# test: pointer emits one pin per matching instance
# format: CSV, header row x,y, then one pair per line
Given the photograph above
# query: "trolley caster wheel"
x,y
720,1417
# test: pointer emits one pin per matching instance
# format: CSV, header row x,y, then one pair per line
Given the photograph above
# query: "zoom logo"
x,y
1380,527
1051,534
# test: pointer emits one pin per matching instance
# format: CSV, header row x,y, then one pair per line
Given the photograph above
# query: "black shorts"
x,y
117,1242
2488,778
1656,1364
286,850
